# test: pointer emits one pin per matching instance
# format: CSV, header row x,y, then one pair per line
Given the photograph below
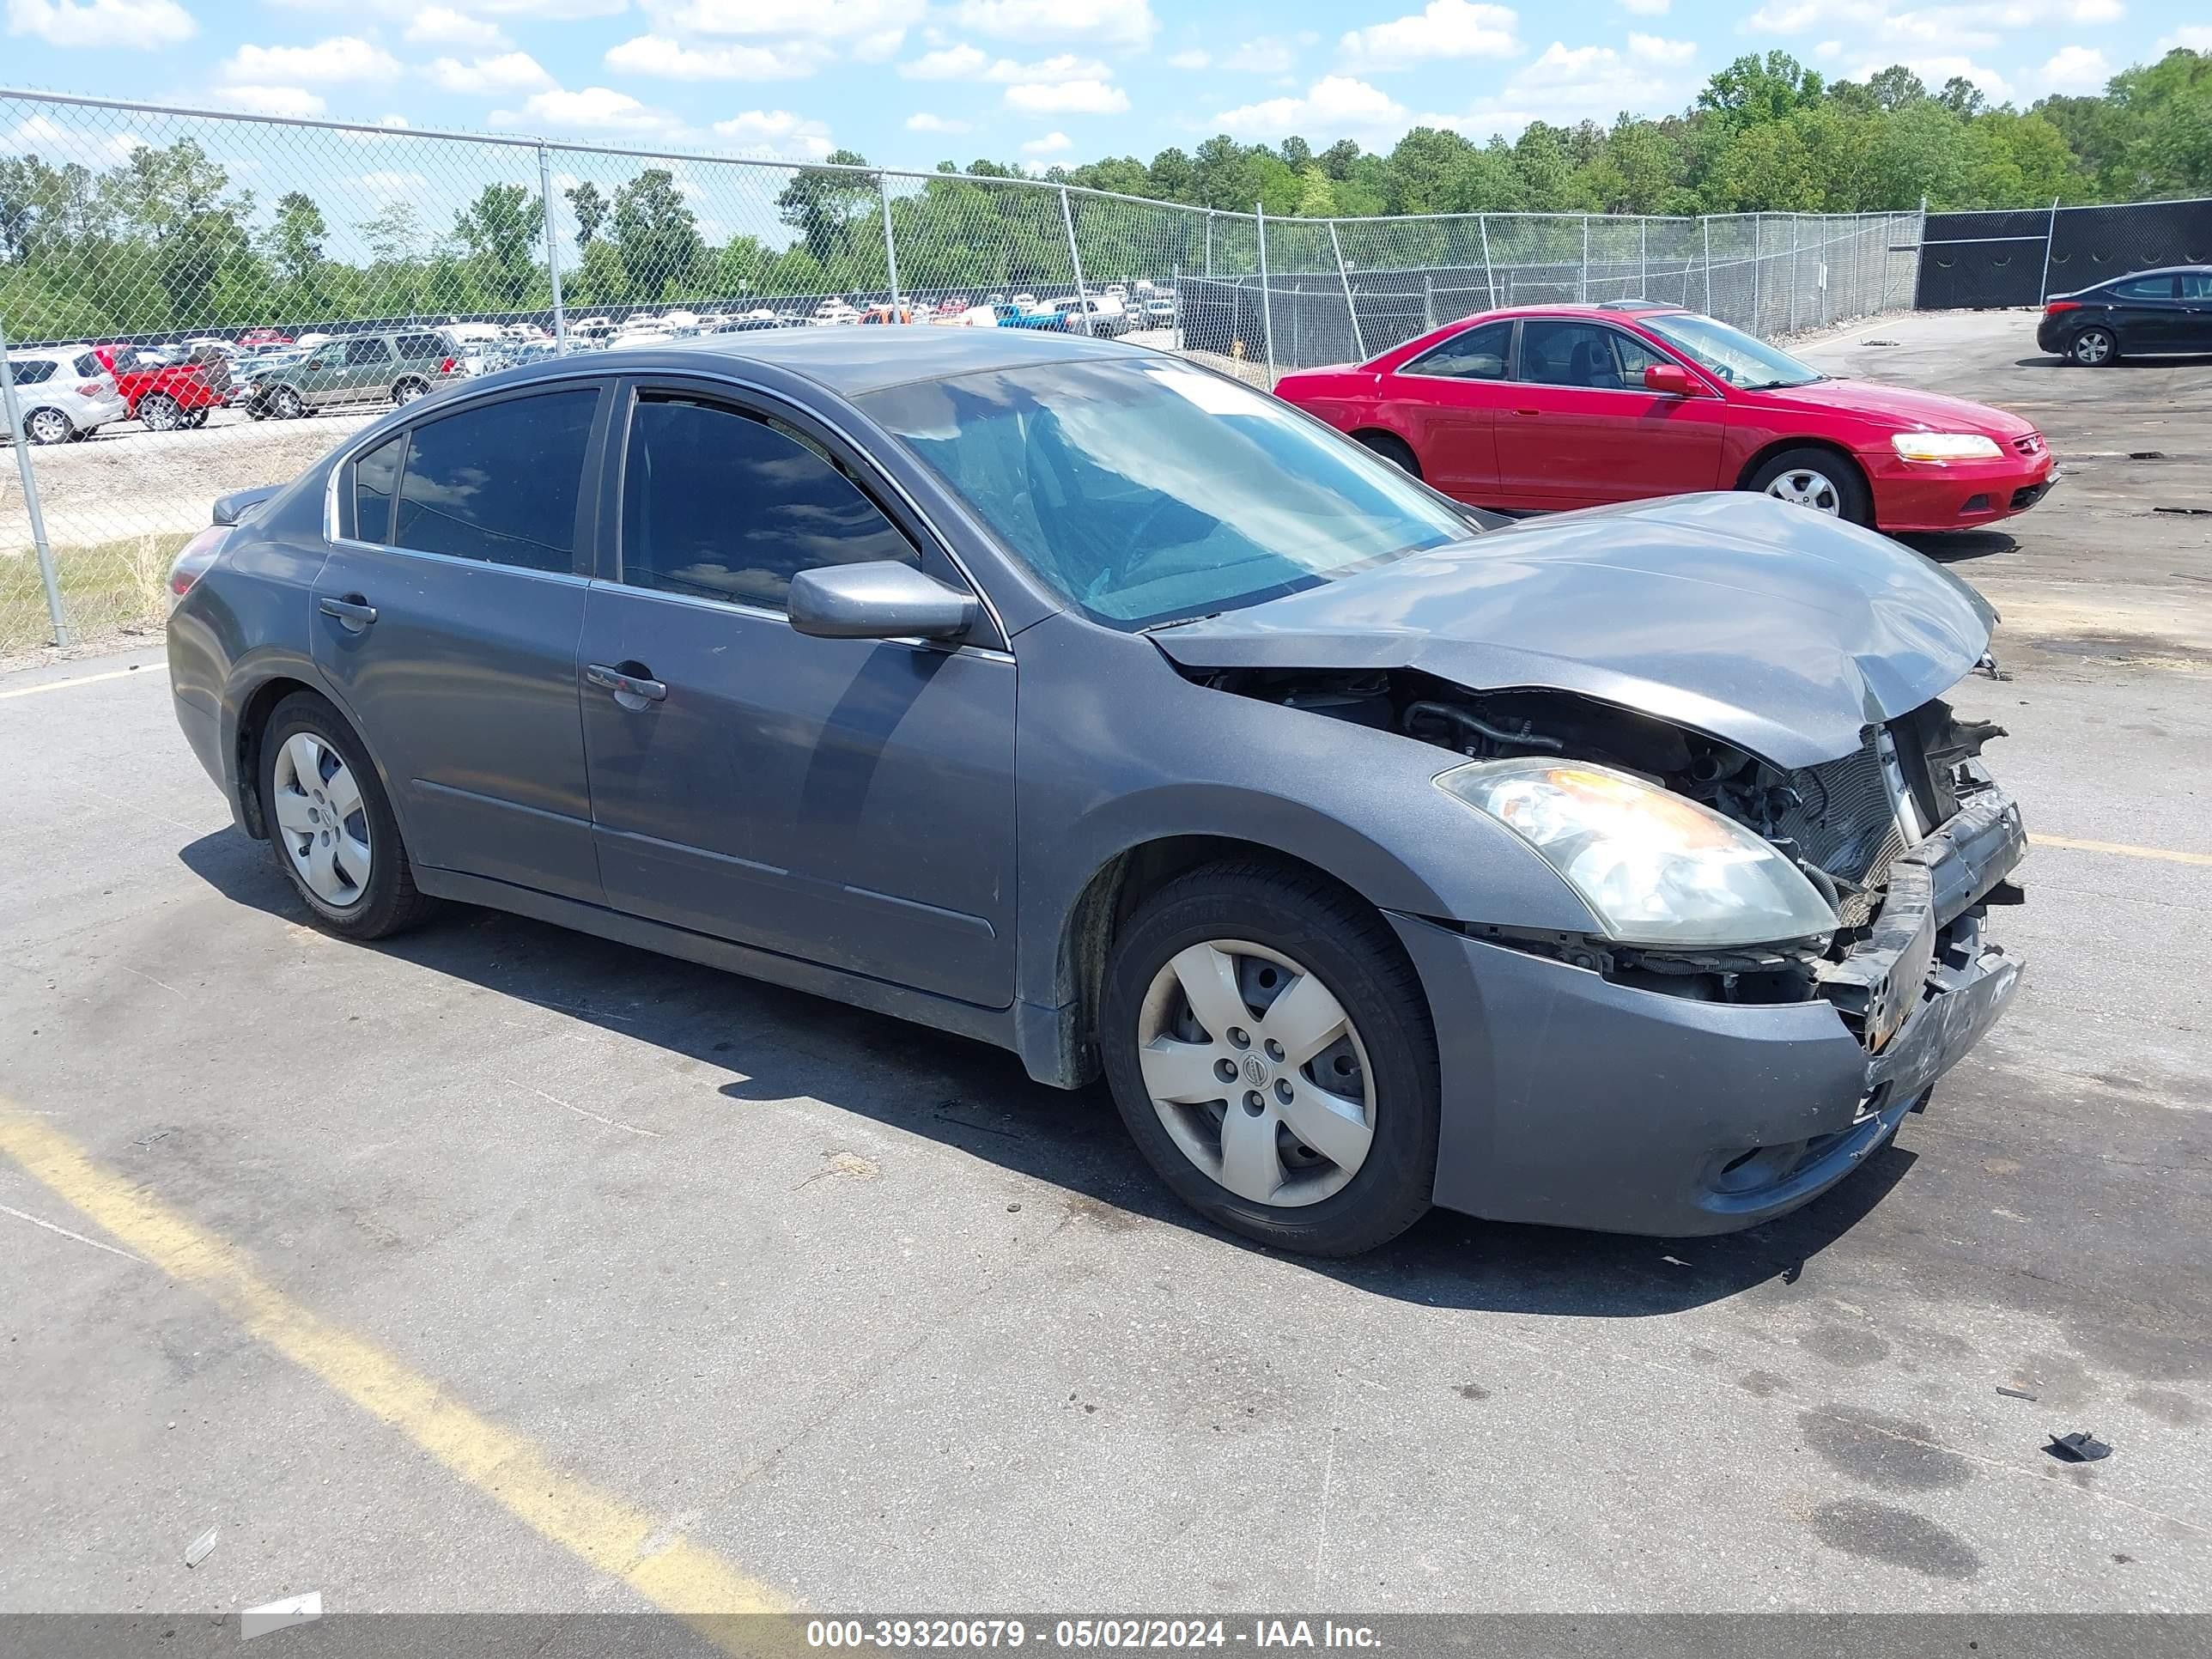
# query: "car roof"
x,y
2151,270
851,361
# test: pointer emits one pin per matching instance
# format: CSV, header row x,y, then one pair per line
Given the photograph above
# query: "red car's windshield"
x,y
1731,354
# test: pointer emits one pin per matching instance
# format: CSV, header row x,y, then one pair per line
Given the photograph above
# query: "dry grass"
x,y
107,588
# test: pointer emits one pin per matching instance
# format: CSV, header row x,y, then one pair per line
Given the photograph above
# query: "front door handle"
x,y
632,691
1529,412
356,613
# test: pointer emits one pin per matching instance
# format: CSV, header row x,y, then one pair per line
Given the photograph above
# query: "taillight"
x,y
446,367
2057,306
93,389
196,557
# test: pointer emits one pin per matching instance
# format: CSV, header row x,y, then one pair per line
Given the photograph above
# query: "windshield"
x,y
1730,352
1144,490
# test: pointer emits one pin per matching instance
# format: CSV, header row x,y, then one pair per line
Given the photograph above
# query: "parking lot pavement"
x,y
873,1322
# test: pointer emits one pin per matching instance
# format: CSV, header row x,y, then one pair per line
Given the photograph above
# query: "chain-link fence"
x,y
182,290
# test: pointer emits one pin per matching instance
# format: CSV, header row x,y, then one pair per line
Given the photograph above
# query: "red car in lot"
x,y
167,397
1544,407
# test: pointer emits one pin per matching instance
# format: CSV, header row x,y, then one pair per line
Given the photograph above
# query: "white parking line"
x,y
81,679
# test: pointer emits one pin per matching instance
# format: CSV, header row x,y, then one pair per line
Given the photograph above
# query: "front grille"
x,y
1845,820
2030,445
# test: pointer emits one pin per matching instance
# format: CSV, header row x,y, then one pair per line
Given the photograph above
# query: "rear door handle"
x,y
353,611
631,690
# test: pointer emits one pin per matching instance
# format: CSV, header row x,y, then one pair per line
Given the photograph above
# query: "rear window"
x,y
32,371
498,482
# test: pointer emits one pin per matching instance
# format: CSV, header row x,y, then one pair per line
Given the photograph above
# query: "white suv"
x,y
64,392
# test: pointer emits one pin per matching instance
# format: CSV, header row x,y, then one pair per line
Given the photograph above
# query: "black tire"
x,y
2095,347
389,902
196,419
1342,941
159,412
1853,500
408,388
1393,449
287,404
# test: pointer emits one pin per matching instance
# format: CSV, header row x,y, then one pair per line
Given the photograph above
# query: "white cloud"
x,y
1127,23
1656,51
873,28
1051,144
1936,70
2195,36
342,57
779,132
598,109
1268,55
141,23
386,183
657,54
1942,29
1067,98
967,63
1646,8
1565,84
1443,28
442,26
1829,49
270,100
513,71
923,121
1336,105
1192,59
2076,68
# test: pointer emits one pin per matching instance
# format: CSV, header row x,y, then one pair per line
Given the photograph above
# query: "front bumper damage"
x,y
1571,1100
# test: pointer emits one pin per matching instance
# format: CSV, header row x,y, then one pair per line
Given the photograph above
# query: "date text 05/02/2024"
x,y
1125,1633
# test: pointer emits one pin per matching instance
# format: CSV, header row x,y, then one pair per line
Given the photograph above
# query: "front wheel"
x,y
1269,1046
159,412
2094,348
332,825
287,404
1819,479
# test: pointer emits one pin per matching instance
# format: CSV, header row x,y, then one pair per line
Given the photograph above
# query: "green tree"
x,y
294,241
658,236
589,206
501,230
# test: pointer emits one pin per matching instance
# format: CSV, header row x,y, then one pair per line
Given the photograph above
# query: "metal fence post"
x,y
1793,273
1209,242
891,243
1267,308
1643,257
2049,236
45,552
1584,295
1067,218
1758,251
1489,276
1705,224
1429,301
552,252
1919,251
1358,337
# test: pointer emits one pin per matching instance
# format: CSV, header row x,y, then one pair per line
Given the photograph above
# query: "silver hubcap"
x,y
410,391
49,428
159,414
1802,486
287,403
320,814
2092,348
1257,1072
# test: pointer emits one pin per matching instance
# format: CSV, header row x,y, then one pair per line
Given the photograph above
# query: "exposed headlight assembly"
x,y
1654,868
1944,446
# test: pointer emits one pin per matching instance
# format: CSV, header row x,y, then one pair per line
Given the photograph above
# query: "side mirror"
x,y
1670,378
880,600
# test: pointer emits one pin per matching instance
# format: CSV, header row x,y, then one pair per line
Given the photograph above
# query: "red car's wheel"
x,y
1820,479
159,412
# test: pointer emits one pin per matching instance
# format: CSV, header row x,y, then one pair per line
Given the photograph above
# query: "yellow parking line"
x,y
2123,848
606,1532
81,679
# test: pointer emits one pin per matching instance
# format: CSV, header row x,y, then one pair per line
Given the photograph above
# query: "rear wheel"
x,y
2094,348
408,389
287,404
1817,478
330,824
197,419
158,412
48,426
1391,448
1269,1046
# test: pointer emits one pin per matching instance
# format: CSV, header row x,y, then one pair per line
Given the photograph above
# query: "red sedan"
x,y
1545,407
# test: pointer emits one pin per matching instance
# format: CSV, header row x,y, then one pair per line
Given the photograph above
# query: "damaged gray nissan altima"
x,y
1624,869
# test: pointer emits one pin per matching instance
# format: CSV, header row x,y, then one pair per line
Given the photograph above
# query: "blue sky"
x,y
915,81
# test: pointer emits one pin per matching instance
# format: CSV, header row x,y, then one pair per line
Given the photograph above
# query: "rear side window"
x,y
1473,354
373,475
87,365
421,345
370,350
725,506
34,371
498,482
2144,288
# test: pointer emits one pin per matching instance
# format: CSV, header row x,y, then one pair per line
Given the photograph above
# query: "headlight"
x,y
1944,446
1654,868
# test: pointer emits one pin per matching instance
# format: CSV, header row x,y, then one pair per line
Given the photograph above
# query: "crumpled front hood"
x,y
1770,627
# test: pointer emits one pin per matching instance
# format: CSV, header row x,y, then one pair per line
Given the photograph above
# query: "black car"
x,y
2141,314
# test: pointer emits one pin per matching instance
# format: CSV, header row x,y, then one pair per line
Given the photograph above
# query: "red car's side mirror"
x,y
1672,379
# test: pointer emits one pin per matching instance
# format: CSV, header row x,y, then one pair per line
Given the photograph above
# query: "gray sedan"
x,y
1624,869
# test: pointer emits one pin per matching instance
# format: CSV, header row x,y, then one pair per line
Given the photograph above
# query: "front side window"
x,y
1728,353
1473,354
1142,490
2196,284
721,505
1589,354
498,482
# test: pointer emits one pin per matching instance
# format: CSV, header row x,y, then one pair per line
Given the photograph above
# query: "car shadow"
x,y
2191,360
776,1044
1954,546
